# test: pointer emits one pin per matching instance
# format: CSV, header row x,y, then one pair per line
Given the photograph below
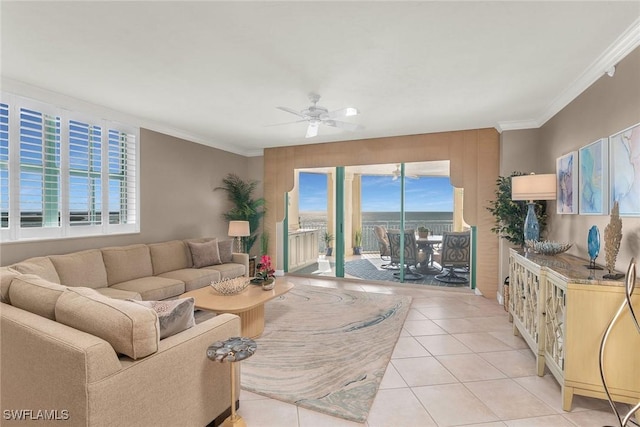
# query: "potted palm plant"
x,y
328,238
245,207
357,242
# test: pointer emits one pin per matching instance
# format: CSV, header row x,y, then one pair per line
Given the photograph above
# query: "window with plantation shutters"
x,y
39,169
122,166
59,170
85,177
4,166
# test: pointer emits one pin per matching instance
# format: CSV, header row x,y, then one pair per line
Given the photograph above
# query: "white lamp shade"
x,y
533,187
239,228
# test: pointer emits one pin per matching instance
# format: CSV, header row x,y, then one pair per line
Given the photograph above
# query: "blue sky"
x,y
382,194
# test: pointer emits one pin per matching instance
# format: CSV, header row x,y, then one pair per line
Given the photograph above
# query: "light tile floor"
x,y
456,363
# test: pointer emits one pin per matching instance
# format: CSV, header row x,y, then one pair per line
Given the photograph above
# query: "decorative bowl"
x,y
268,284
546,247
230,286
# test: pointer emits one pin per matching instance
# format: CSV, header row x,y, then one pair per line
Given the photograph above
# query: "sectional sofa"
x,y
77,348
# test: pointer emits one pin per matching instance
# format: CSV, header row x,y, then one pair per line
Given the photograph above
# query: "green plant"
x,y
509,214
264,243
422,229
245,207
357,238
327,238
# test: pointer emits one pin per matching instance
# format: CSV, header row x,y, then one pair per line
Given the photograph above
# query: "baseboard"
x,y
223,416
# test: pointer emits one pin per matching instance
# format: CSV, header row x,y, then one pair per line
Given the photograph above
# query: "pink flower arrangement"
x,y
265,271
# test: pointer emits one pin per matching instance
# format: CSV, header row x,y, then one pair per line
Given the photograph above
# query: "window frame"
x,y
67,229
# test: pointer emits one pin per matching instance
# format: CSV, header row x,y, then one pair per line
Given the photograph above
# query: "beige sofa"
x,y
73,350
155,271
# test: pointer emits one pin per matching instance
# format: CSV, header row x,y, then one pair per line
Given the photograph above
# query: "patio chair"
x,y
456,253
383,246
410,252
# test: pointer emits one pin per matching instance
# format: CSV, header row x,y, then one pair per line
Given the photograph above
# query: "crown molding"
x,y
74,104
517,125
620,48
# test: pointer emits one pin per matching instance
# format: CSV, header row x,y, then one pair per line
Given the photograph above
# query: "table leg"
x,y
252,322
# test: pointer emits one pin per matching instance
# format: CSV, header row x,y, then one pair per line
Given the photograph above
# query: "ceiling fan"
x,y
317,115
396,174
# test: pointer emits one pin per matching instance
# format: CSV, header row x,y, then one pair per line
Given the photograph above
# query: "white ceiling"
x,y
214,72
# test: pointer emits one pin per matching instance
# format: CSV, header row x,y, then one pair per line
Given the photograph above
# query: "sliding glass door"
x,y
349,211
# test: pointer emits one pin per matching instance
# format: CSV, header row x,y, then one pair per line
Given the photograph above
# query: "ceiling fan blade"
x,y
343,112
312,130
287,123
290,110
343,125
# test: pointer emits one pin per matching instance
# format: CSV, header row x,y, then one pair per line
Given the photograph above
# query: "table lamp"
x,y
530,188
239,229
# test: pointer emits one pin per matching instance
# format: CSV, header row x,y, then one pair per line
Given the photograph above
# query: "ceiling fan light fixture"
x,y
317,115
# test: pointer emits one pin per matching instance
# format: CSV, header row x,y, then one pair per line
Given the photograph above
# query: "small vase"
x,y
268,284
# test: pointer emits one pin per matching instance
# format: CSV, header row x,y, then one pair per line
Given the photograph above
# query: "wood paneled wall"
x,y
474,165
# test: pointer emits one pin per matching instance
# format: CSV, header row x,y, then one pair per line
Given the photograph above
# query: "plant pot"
x,y
357,250
423,234
329,251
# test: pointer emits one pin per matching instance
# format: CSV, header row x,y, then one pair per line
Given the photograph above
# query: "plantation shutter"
x,y
85,166
39,169
122,177
4,165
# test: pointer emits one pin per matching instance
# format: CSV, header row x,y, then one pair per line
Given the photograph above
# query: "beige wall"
x,y
611,104
177,178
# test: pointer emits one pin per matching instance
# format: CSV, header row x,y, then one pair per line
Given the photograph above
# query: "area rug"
x,y
326,349
370,269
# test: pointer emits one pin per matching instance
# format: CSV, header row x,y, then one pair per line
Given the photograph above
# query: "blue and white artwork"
x,y
567,183
625,170
593,242
593,185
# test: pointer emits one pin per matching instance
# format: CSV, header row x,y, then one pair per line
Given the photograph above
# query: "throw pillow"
x,y
205,253
174,315
226,250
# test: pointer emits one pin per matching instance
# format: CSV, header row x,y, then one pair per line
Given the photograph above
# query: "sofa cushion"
x,y
7,274
124,263
228,270
193,278
84,268
153,288
169,256
119,293
205,253
35,295
225,247
130,328
40,266
174,316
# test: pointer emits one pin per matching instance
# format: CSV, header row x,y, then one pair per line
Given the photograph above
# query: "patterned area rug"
x,y
326,349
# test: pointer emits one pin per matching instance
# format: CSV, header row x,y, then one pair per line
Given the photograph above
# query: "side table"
x,y
232,350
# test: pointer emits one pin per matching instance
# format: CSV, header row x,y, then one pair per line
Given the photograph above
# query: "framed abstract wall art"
x,y
593,194
624,166
567,183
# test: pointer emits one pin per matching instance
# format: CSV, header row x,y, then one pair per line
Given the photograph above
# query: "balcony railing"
x,y
369,241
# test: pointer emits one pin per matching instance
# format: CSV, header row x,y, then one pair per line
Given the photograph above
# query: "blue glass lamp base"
x,y
531,226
